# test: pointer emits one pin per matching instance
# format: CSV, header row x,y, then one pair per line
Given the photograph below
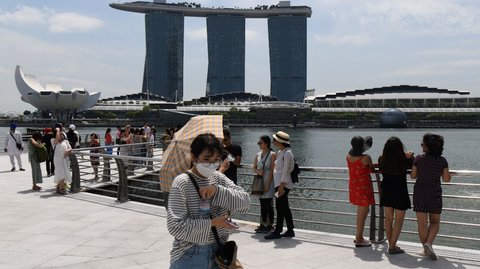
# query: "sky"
x,y
351,45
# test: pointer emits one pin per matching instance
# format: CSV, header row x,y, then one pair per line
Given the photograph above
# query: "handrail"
x,y
319,200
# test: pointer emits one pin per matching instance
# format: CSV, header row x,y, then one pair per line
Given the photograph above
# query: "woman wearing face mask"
x,y
188,218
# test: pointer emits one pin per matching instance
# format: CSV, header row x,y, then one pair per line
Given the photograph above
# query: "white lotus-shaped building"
x,y
52,97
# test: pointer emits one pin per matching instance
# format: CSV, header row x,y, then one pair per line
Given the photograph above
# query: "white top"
x,y
11,144
283,167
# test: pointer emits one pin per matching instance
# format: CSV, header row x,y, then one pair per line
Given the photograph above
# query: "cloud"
x,y
58,22
23,15
335,40
69,22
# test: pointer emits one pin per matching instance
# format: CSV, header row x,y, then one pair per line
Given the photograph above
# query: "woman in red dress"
x,y
360,185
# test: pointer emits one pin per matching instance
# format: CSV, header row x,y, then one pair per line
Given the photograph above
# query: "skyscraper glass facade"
x,y
288,57
163,73
226,54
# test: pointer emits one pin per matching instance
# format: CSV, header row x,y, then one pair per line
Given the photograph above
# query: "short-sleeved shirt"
x,y
235,151
427,192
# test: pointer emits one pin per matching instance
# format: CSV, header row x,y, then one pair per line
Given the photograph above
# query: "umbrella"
x,y
176,158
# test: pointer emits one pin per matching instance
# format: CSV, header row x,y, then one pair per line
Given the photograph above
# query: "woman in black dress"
x,y
394,163
427,193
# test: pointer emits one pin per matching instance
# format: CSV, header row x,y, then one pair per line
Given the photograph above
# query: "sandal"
x,y
395,250
364,243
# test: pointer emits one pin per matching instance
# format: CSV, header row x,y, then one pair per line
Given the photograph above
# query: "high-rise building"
x,y
287,27
163,74
288,57
226,54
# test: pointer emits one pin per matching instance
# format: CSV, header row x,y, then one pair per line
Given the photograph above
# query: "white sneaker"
x,y
429,251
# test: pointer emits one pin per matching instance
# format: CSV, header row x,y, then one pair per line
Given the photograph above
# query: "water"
x,y
328,148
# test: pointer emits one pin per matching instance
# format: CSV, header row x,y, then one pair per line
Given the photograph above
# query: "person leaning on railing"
x,y
393,164
360,184
427,193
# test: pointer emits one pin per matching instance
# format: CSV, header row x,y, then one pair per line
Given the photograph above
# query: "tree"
x,y
27,112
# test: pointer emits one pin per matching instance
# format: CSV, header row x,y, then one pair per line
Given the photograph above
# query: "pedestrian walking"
x,y
14,146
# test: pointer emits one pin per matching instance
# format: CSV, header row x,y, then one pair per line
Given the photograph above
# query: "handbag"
x,y
258,185
42,154
226,253
19,145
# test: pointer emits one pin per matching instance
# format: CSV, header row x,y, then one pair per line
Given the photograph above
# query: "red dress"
x,y
360,184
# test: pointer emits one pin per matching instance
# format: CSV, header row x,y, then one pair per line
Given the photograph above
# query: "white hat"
x,y
282,137
72,127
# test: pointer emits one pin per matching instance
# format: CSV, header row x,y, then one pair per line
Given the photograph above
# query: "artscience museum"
x,y
52,97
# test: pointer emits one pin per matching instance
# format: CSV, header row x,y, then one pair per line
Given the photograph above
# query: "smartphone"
x,y
232,224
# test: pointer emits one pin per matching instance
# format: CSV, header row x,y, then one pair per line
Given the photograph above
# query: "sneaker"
x,y
364,243
395,250
429,251
21,169
290,233
273,236
260,229
13,169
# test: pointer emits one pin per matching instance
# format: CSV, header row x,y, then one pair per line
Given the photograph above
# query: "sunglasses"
x,y
259,143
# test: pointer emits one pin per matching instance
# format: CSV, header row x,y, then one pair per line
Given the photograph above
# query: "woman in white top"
x,y
263,165
61,161
284,165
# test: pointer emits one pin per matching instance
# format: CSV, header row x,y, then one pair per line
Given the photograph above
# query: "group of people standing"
x,y
196,215
426,168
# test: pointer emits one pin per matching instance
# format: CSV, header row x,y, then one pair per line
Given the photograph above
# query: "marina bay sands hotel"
x,y
164,28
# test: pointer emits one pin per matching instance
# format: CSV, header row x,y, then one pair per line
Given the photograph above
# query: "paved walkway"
x,y
45,230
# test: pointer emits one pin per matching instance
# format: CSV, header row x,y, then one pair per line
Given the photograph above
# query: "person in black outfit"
x,y
47,140
393,164
234,156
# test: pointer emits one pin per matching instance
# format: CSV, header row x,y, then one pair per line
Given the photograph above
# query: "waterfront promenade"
x,y
45,230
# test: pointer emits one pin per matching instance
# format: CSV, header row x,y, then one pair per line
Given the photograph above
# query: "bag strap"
x,y
214,229
265,160
14,138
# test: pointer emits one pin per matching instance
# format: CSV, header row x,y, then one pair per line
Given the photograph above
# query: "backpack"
x,y
295,171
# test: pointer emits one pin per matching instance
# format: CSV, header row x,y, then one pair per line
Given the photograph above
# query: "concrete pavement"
x,y
40,229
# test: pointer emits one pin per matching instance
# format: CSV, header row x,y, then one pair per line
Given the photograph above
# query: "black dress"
x,y
394,190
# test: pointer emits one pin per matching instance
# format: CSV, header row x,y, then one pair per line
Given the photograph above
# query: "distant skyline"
x,y
351,45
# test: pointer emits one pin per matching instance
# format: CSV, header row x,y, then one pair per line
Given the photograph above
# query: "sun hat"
x,y
72,127
360,145
282,137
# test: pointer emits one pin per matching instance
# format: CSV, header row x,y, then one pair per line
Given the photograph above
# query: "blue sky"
x,y
351,45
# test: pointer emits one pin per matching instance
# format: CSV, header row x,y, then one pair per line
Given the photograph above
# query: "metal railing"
x,y
318,202
126,174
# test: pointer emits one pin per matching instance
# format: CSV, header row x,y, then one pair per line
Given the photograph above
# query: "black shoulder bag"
x,y
19,145
226,254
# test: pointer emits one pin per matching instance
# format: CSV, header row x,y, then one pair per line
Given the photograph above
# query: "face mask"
x,y
207,169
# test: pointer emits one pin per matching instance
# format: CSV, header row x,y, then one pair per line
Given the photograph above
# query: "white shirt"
x,y
284,164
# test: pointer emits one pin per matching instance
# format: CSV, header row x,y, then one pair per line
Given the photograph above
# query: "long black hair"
x,y
393,161
267,141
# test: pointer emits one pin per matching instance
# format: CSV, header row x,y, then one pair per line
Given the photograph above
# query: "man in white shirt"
x,y
14,146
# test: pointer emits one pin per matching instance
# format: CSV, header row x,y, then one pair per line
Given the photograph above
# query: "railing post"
x,y
122,193
106,169
75,186
373,221
381,218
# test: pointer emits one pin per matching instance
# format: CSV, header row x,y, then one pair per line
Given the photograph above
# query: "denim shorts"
x,y
198,256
